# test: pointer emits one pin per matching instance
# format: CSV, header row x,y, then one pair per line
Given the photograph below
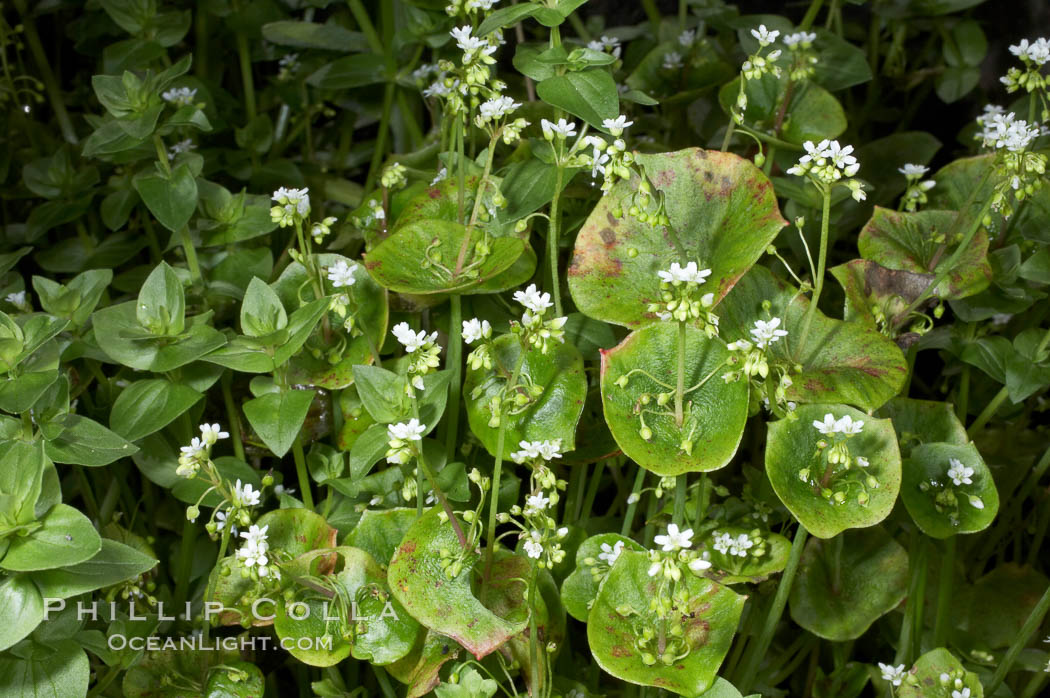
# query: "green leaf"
x,y
939,507
327,37
801,476
709,624
172,200
21,607
841,361
147,406
876,294
66,537
19,394
261,311
734,569
991,613
723,215
235,679
580,588
714,412
423,258
161,306
86,442
506,16
923,421
443,604
77,298
58,670
590,94
278,417
812,114
22,465
367,450
382,393
928,669
909,242
350,71
847,583
470,684
379,532
551,414
123,339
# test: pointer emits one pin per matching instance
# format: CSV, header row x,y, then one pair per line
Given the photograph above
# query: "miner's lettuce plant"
x,y
549,348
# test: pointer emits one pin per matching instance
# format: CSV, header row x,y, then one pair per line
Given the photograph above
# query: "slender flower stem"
x,y
681,484
592,491
822,255
758,650
628,517
553,234
302,473
54,92
231,416
1034,620
244,57
454,362
679,391
534,640
944,593
490,533
224,543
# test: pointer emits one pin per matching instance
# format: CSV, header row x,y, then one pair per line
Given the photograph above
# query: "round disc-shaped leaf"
x,y
723,214
581,586
872,288
552,415
714,611
924,679
443,604
792,448
924,421
846,584
939,507
309,637
714,414
991,613
910,242
423,258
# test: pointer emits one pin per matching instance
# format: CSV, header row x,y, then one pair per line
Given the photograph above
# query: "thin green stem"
x,y
822,256
632,502
916,565
592,491
811,14
701,501
454,362
384,682
224,543
681,485
302,473
758,650
534,640
553,233
379,151
54,92
1031,624
231,416
244,57
944,593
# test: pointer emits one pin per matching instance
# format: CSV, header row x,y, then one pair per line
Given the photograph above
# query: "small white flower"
x,y
531,450
256,536
465,41
672,61
532,299
411,340
245,495
562,129
893,674
475,329
298,199
764,36
616,126
497,108
179,96
342,274
687,38
17,298
965,693
183,146
633,498
690,273
210,433
537,502
912,170
740,545
862,461
675,539
958,473
654,569
721,542
220,522
411,430
846,425
803,38
611,553
766,333
827,426
701,563
196,448
533,549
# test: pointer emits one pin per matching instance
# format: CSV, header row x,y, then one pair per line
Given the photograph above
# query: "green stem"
x,y
497,470
811,15
944,593
455,362
302,473
534,640
679,391
757,651
681,484
592,491
245,59
628,517
384,682
224,543
379,151
989,410
653,13
822,256
1035,618
54,92
916,563
191,254
231,416
919,610
553,233
701,502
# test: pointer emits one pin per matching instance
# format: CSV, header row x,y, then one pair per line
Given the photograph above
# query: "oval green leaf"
x,y
939,507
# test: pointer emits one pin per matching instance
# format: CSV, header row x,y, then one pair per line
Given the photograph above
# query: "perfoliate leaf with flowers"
x,y
948,489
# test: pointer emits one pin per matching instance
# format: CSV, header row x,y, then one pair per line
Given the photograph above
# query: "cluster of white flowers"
x,y
401,440
800,39
322,229
728,544
680,299
954,682
544,545
463,7
561,130
244,495
1037,52
293,206
192,457
610,553
893,674
758,65
1007,132
755,363
915,196
425,353
828,163
845,425
606,44
803,57
534,328
532,451
480,332
253,554
341,274
495,109
691,273
840,461
179,96
1020,168
1034,56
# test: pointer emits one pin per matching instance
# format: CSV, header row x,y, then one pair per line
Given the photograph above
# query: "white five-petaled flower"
x,y
245,495
672,60
846,425
537,502
766,333
196,448
1037,51
675,539
179,96
1006,131
412,340
893,674
183,146
964,693
862,461
17,298
210,433
299,199
255,535
842,159
531,450
532,299
802,38
616,126
687,38
533,549
411,430
342,274
827,426
913,170
561,129
221,520
960,474
465,41
765,37
497,108
475,329
611,553
690,273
